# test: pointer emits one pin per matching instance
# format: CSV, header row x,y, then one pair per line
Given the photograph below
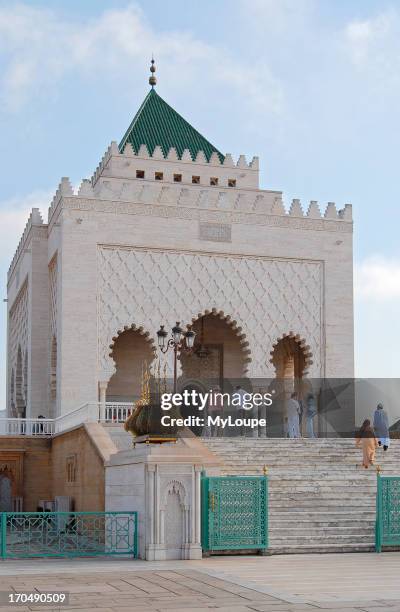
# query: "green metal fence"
x,y
387,531
68,534
234,512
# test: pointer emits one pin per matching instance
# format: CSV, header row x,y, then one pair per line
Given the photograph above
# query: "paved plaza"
x,y
362,582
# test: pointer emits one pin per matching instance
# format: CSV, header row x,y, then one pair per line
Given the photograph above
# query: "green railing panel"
x,y
234,512
68,534
387,531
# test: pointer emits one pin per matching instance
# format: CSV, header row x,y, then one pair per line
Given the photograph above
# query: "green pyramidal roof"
x,y
157,123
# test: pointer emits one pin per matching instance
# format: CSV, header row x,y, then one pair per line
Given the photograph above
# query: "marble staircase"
x,y
320,498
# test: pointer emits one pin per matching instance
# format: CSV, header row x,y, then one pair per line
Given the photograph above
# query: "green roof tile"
x,y
157,123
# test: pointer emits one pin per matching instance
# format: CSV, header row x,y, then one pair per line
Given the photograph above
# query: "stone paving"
x,y
285,583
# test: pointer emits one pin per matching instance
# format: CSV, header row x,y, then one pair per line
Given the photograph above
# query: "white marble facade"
x,y
126,252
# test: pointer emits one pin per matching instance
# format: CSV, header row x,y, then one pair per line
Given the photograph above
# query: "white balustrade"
x,y
17,504
92,412
27,427
118,413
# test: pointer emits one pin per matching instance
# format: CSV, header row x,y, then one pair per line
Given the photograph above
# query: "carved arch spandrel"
x,y
266,295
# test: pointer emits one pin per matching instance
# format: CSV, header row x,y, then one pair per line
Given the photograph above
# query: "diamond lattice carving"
x,y
267,297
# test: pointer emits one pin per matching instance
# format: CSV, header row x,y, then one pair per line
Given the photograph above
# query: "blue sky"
x,y
311,86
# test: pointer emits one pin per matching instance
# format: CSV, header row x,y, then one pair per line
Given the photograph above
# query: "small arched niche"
x,y
6,491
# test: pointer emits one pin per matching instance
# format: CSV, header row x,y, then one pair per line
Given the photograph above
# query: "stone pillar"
x,y
151,515
169,475
102,396
197,538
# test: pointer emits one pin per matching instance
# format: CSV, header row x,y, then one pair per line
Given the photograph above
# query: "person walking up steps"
x,y
310,414
366,439
293,412
381,427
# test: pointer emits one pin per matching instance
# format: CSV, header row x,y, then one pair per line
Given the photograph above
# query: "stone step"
x,y
285,505
297,451
287,549
303,461
322,509
325,442
329,453
304,465
322,498
315,489
293,523
276,452
322,531
300,515
288,480
246,469
326,538
313,483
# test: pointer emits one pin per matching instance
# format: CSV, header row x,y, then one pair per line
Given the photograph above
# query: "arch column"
x,y
103,384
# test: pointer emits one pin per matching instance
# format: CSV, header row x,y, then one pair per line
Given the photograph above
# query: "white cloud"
x,y
377,279
365,37
40,48
278,17
373,47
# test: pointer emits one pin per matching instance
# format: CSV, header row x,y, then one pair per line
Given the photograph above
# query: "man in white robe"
x,y
381,427
293,413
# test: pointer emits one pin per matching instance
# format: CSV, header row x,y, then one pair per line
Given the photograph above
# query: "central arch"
x,y
220,355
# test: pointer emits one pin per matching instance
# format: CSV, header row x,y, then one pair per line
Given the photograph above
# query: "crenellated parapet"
x,y
314,212
216,171
112,150
34,220
140,183
159,199
157,195
186,156
64,189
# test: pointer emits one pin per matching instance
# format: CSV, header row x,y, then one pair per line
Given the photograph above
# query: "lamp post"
x,y
179,341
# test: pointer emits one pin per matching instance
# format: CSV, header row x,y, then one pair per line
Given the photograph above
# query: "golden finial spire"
x,y
152,78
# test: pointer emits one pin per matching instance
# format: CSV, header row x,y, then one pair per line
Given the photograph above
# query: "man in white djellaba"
x,y
239,394
293,413
381,427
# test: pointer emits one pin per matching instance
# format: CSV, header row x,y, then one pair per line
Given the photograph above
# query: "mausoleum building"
x,y
169,229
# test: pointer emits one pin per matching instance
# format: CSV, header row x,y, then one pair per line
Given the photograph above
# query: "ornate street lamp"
x,y
179,341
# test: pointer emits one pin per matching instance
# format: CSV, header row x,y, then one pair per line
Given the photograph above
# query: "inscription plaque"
x,y
217,232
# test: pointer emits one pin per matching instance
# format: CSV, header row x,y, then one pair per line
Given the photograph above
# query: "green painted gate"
x,y
68,534
387,532
234,512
